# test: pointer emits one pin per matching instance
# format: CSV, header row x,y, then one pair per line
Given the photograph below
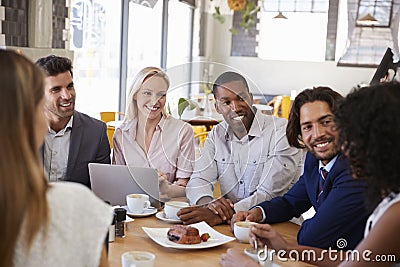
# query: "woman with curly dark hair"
x,y
368,121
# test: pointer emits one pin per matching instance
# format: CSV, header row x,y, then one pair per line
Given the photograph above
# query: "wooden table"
x,y
208,122
136,239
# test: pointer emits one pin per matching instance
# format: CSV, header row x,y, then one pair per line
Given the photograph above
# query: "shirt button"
x,y
241,182
223,159
254,161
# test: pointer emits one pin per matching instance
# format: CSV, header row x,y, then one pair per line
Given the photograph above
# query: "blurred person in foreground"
x,y
74,139
367,121
38,226
326,183
247,153
150,137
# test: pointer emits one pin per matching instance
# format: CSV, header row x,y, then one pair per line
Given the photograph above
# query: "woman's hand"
x,y
170,190
164,185
181,181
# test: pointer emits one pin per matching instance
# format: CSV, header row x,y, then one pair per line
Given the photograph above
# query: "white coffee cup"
x,y
138,259
172,207
242,231
137,202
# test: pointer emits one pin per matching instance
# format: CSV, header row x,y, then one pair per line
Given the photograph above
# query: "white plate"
x,y
161,215
159,235
146,212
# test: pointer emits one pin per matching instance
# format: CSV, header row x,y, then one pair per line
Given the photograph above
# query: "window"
x,y
302,36
144,38
179,48
95,27
95,39
376,11
369,38
179,51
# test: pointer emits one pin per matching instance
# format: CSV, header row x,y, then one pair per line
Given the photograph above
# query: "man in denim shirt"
x,y
248,153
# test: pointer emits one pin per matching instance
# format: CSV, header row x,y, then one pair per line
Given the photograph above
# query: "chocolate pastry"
x,y
183,234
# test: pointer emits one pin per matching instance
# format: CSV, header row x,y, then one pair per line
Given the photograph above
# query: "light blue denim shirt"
x,y
256,168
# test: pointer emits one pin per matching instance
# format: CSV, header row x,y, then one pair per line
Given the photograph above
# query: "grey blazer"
x,y
89,143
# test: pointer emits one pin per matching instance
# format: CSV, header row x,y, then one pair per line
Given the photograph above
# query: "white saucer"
x,y
146,212
161,215
251,252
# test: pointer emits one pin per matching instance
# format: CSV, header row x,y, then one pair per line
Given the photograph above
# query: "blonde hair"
x,y
144,74
22,182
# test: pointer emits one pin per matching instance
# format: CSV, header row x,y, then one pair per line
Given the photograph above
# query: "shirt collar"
x,y
255,128
68,126
328,166
131,125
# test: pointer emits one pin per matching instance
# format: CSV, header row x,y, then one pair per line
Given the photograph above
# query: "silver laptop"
x,y
113,182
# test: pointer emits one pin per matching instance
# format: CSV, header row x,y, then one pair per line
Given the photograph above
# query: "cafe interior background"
x,y
281,46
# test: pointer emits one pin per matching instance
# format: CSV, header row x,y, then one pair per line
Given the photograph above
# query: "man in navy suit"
x,y
74,139
326,183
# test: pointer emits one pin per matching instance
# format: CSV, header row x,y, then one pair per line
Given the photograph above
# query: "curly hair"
x,y
321,93
368,120
53,65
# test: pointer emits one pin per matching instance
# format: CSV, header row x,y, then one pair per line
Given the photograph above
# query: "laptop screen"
x,y
113,182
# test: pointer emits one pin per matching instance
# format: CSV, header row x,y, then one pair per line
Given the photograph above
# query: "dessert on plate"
x,y
184,234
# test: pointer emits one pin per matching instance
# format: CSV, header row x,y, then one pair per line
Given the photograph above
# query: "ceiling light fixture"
x,y
368,20
280,16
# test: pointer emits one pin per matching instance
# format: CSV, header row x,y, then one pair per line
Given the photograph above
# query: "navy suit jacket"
x,y
88,143
340,210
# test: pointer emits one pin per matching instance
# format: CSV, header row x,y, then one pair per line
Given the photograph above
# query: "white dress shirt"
x,y
256,168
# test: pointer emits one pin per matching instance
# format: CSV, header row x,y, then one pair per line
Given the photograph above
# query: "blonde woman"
x,y
42,225
149,137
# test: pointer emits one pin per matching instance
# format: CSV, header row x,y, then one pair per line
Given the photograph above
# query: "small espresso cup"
x,y
242,231
138,259
172,207
137,202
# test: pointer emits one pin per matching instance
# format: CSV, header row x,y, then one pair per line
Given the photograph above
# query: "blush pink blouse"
x,y
171,149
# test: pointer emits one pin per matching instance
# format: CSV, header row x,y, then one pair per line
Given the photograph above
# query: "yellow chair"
x,y
281,106
201,137
110,134
199,129
108,116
